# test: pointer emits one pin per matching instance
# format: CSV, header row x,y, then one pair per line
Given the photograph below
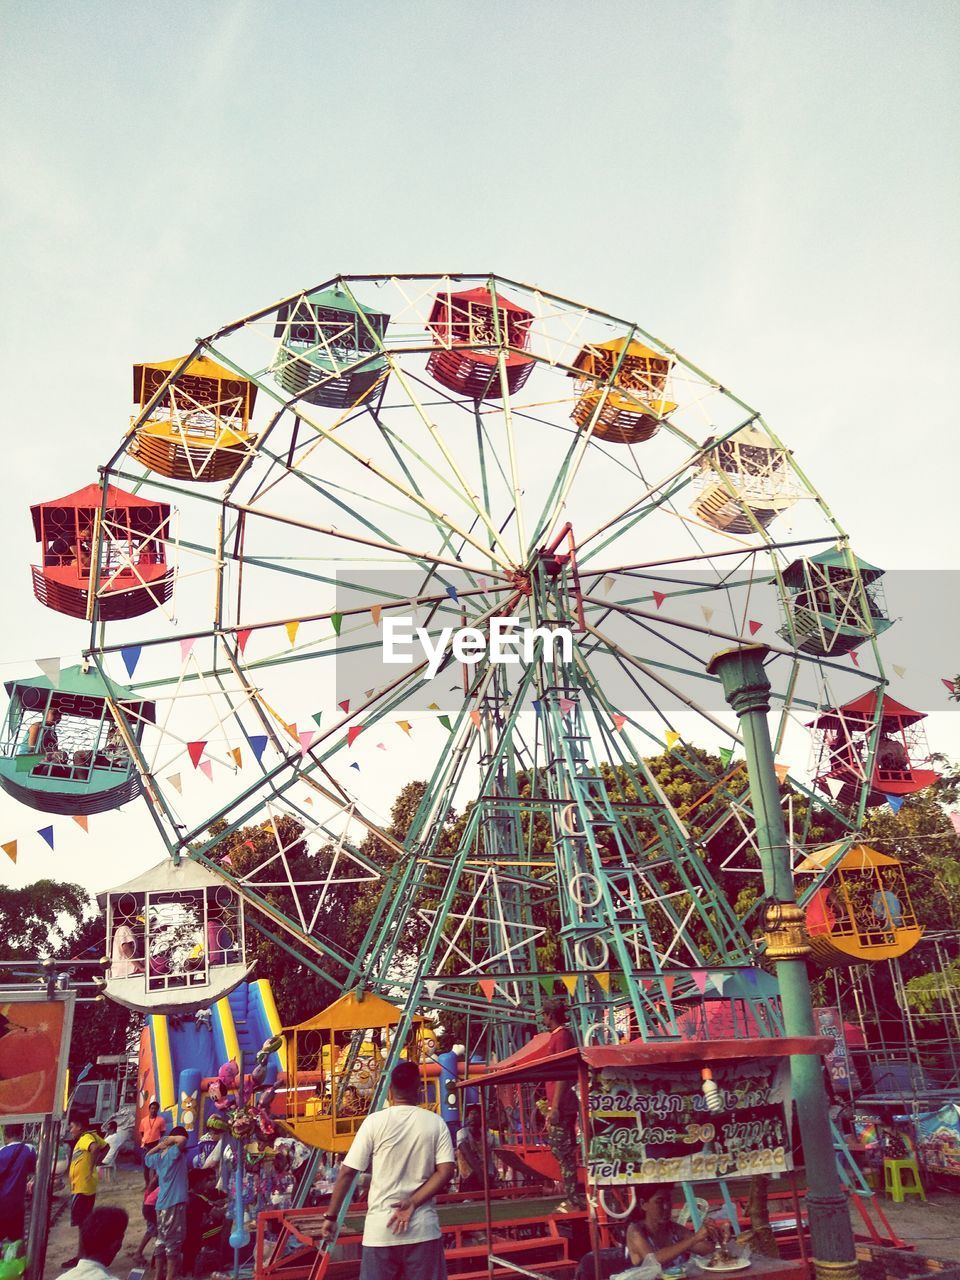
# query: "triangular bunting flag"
x,y
618,721
669,982
226,860
486,985
317,717
452,591
368,693
754,627
433,706
603,981
699,977
658,598
726,755
236,755
955,820
901,671
353,733
242,637
337,621
855,659
381,746
475,717
707,612
781,770
131,656
82,821
344,705
206,768
834,786
355,766
375,611
51,669
291,629
672,738
895,802
293,731
430,987
445,721
607,584
174,780
950,684
196,750
566,706
718,981
547,985
186,647
46,833
305,739
10,849
258,744
569,980
308,799
537,707
405,725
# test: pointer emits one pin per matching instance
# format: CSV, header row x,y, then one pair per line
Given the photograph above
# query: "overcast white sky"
x,y
772,188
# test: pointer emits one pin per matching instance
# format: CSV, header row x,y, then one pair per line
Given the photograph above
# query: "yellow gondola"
x,y
199,427
859,909
334,1061
623,390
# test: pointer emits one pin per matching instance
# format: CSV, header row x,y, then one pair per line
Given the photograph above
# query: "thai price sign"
x,y
653,1124
829,1023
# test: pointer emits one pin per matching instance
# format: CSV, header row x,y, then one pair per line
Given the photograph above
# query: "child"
x,y
149,1211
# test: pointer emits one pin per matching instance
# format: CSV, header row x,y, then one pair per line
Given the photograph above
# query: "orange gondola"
x,y
623,390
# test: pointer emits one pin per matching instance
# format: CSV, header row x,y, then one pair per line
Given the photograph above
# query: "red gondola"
x,y
476,318
133,575
896,765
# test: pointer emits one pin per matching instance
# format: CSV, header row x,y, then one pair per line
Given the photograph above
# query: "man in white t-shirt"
x,y
412,1158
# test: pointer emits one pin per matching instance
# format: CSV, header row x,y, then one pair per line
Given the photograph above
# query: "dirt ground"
x,y
932,1228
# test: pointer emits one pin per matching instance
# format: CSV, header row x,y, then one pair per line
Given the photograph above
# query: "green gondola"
x,y
834,603
62,749
330,349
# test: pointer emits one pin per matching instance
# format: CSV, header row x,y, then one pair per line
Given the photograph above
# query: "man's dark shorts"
x,y
423,1261
81,1208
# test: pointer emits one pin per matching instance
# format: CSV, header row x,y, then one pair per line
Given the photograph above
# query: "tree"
x,y
37,920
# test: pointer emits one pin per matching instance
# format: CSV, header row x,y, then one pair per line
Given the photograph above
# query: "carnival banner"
x,y
654,1125
938,1137
34,1044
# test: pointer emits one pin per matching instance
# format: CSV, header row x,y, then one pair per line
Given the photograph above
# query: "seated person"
x,y
471,1144
651,1230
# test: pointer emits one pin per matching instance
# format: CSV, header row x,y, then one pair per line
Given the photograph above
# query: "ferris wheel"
x,y
495,535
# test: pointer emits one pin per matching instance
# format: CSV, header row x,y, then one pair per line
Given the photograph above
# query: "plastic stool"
x,y
893,1180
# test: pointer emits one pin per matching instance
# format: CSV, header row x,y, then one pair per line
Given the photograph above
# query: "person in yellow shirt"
x,y
88,1151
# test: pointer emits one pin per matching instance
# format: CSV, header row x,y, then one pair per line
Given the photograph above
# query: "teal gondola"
x,y
834,603
331,349
62,751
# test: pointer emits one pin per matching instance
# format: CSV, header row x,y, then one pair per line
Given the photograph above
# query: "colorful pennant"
x,y
337,621
754,627
174,780
659,597
781,770
344,705
353,733
51,669
131,656
375,611
475,717
10,849
236,755
955,820
258,744
445,721
895,802
405,725
186,647
82,821
726,755
672,738
206,768
618,721
196,750
291,629
306,739
452,591
242,637
46,833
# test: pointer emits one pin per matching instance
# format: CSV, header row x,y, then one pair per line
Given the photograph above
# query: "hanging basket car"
x,y
898,763
175,939
198,424
334,1061
623,390
834,603
64,750
473,328
747,481
126,536
330,349
859,908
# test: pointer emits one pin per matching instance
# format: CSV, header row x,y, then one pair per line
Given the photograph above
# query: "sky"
x,y
772,189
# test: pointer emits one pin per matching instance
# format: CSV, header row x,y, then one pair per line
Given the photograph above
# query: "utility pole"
x,y
747,690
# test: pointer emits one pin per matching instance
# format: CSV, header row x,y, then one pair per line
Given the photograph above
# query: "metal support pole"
x,y
747,689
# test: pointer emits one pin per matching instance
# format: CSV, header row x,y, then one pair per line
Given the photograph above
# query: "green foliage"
x,y
37,920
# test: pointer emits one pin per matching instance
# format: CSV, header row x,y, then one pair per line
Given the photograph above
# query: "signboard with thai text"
x,y
654,1125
